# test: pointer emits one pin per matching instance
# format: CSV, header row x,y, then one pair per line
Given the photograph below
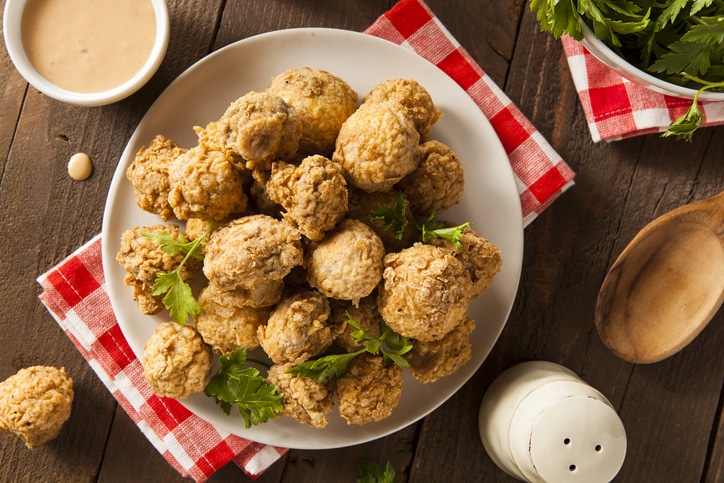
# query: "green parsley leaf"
x,y
371,472
392,346
179,298
393,216
433,229
235,384
324,368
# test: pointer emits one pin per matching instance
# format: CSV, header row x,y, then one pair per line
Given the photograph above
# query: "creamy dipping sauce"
x,y
80,166
88,45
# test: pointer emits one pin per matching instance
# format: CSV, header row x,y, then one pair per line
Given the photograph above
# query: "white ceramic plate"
x,y
490,202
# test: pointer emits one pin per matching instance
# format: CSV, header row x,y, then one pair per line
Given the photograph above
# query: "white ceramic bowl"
x,y
13,41
606,55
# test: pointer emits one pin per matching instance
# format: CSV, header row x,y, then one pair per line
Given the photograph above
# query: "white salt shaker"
x,y
539,422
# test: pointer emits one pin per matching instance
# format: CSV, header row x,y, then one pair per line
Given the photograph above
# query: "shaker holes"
x,y
572,468
598,448
567,441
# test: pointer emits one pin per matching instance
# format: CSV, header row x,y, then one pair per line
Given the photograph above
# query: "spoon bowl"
x,y
666,285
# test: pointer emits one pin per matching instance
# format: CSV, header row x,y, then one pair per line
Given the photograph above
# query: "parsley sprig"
x,y
179,298
235,384
680,41
371,472
390,344
395,216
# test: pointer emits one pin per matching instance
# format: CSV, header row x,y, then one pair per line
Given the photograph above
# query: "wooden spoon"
x,y
666,285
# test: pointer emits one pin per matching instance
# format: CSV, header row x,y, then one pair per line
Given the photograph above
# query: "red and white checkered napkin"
x,y
75,294
617,108
540,173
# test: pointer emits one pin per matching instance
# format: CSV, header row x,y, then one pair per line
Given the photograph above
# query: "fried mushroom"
x,y
347,263
148,173
143,259
250,252
432,360
438,182
263,128
414,98
369,390
313,194
176,361
321,100
205,184
298,328
425,292
377,146
35,403
305,400
226,322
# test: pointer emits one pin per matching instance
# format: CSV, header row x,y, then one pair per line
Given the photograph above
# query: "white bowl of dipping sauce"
x,y
86,52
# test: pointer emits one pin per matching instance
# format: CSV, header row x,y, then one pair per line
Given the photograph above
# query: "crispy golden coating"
x,y
298,328
313,194
363,204
425,292
262,128
377,146
438,182
432,360
148,173
35,402
369,390
226,322
305,399
414,97
251,251
322,101
205,184
215,136
365,314
480,257
143,259
176,361
347,263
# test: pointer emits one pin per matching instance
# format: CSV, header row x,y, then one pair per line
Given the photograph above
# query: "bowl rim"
x,y
12,17
605,54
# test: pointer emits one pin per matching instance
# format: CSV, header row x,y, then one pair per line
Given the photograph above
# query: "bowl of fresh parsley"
x,y
675,47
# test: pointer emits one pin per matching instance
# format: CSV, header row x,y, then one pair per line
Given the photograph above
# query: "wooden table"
x,y
672,410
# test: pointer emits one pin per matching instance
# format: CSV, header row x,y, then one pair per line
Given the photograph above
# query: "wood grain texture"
x,y
672,410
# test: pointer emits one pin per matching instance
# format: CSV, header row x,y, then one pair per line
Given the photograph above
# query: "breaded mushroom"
x,y
148,173
425,292
313,194
432,360
438,182
347,263
263,128
377,146
205,184
176,361
35,402
226,322
143,259
305,400
321,100
215,136
298,328
250,252
369,390
480,257
414,97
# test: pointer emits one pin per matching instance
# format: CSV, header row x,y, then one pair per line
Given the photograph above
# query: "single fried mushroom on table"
x,y
35,403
